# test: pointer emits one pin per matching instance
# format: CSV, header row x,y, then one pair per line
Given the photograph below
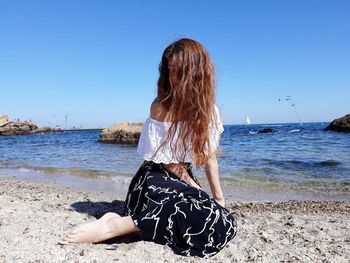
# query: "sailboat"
x,y
248,122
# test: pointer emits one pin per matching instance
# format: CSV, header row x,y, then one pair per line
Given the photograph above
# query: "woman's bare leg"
x,y
108,226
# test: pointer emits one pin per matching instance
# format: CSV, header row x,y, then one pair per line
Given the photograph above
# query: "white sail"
x,y
248,121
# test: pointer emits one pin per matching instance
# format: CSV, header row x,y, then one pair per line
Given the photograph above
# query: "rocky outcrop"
x,y
22,128
265,130
340,125
4,119
127,133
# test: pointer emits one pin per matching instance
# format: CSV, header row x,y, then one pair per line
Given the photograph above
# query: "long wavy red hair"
x,y
191,102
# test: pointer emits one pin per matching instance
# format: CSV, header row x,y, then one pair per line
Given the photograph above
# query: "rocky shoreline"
x,y
10,128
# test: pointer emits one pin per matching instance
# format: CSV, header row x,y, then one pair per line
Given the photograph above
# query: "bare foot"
x,y
94,232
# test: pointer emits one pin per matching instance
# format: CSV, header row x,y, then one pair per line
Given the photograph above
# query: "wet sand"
x,y
234,190
35,216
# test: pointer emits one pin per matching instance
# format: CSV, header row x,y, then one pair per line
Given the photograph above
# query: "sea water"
x,y
293,156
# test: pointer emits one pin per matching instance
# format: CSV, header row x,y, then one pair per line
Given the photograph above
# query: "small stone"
x,y
289,223
113,246
266,239
25,230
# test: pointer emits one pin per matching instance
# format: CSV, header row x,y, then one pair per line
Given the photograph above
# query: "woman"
x,y
165,202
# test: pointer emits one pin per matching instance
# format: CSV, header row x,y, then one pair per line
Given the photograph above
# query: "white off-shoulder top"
x,y
155,132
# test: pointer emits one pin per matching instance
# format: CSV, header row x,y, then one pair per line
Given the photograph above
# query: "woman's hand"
x,y
221,201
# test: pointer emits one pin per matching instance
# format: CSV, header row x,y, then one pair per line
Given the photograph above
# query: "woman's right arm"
x,y
212,173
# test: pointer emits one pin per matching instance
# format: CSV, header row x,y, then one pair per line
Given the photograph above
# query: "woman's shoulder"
x,y
158,111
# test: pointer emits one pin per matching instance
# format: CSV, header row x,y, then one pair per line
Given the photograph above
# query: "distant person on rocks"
x,y
165,202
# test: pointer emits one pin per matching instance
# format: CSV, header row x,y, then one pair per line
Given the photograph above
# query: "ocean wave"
x,y
83,172
272,125
121,179
293,131
24,170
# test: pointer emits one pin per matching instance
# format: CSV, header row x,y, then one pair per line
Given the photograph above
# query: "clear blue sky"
x,y
97,61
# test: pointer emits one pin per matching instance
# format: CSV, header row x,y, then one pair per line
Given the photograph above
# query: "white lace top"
x,y
155,132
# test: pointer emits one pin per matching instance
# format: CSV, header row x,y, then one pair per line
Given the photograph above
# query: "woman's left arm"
x,y
212,172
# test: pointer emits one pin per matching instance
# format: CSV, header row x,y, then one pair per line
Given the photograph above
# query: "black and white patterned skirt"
x,y
169,211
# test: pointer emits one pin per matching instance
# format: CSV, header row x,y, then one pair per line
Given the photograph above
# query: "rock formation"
x,y
4,119
340,125
127,133
8,128
265,130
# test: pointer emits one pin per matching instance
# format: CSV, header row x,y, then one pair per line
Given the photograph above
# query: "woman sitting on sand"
x,y
165,202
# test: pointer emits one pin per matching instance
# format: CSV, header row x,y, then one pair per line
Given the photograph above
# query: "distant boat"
x,y
247,122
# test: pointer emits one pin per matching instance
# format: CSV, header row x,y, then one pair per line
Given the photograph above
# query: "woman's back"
x,y
154,146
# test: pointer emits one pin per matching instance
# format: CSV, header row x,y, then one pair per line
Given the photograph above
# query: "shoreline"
x,y
233,190
35,216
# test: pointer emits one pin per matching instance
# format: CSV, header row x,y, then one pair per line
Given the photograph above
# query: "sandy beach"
x,y
35,216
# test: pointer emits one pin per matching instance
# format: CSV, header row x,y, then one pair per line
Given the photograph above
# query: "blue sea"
x,y
293,157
